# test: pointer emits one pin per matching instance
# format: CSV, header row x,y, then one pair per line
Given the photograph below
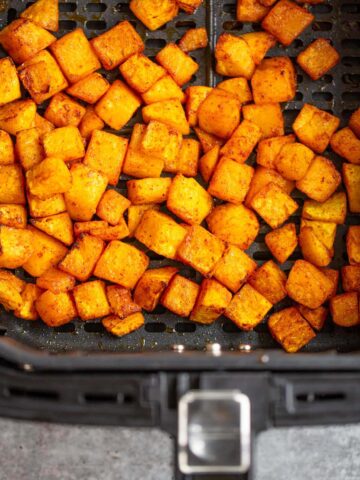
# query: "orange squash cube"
x,y
121,303
212,300
44,13
269,148
46,207
13,215
10,297
16,246
90,122
346,144
333,276
58,226
11,184
332,210
274,81
154,14
208,162
121,327
43,125
17,116
135,213
187,159
350,277
318,58
207,140
56,281
325,231
316,316
293,161
242,142
177,63
313,249
55,309
282,242
250,11
268,117
164,89
169,112
65,143
270,281
151,286
189,6
89,89
112,207
195,95
180,295
193,39
354,122
233,57
353,244
148,190
161,141
7,155
9,81
87,227
49,177
344,309
29,148
351,177
140,72
219,113
237,86
29,295
63,111
259,44
90,300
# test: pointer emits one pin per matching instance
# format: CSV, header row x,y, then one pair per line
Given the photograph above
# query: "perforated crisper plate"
x,y
337,92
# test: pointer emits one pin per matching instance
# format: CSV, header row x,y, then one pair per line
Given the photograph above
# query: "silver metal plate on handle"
x,y
214,434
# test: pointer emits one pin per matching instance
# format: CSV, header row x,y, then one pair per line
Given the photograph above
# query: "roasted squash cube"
x,y
219,113
63,111
193,39
140,72
106,153
238,86
233,57
308,285
121,327
46,252
187,159
354,122
75,55
315,127
268,117
333,276
43,125
282,242
259,44
108,232
135,213
325,231
23,39
29,295
321,179
121,303
293,161
117,45
234,224
208,162
154,14
10,297
169,112
315,316
250,11
11,184
180,295
16,246
44,13
90,300
49,177
160,233
247,308
231,180
313,249
121,263
353,244
56,309
112,207
270,3
162,141
211,302
188,200
269,148
189,6
7,154
46,207
242,142
164,89
29,148
12,280
350,276
274,81
290,329
207,140
151,286
195,95
286,21
58,226
346,144
13,215
65,143
89,89
344,309
148,190
9,81
56,281
87,188
200,249
81,259
90,122
41,76
273,205
17,116
234,268
333,210
87,227
351,176
270,281
177,63
318,58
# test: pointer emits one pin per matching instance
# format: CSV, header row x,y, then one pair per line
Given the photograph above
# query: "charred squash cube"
x,y
332,210
56,309
268,117
180,295
200,249
188,200
344,309
242,142
351,176
247,308
81,259
65,143
16,246
151,286
219,113
29,148
269,148
308,285
63,110
350,276
17,116
286,21
121,263
75,55
211,302
112,207
177,63
160,233
233,57
121,327
90,300
234,224
117,45
189,6
270,281
318,58
89,89
121,303
290,329
148,190
346,144
234,268
9,81
106,153
154,14
353,244
315,127
49,177
282,242
140,72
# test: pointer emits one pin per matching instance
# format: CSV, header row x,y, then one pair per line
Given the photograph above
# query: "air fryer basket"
x,y
145,373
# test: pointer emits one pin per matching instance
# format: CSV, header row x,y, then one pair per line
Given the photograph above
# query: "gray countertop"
x,y
43,451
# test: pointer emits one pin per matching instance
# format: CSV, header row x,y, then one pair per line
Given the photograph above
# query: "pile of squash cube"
x,y
192,195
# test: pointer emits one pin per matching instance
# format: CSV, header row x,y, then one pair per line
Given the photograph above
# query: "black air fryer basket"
x,y
78,373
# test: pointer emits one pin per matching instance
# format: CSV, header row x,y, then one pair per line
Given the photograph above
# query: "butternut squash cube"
x,y
193,39
55,309
332,210
151,286
17,116
313,249
44,13
148,190
58,226
9,81
87,227
135,213
49,177
154,14
140,72
346,144
344,309
189,6
121,303
269,148
56,281
195,95
219,113
350,276
353,244
333,276
293,161
90,122
268,117
325,231
282,242
16,246
180,295
318,58
80,261
259,44
164,89
208,162
169,112
13,215
10,297
162,141
90,300
89,89
237,86
250,11
29,149
46,207
11,184
112,207
354,122
315,316
207,140
43,125
177,63
121,327
242,142
187,159
29,295
7,154
270,281
63,111
262,177
233,57
212,300
65,143
351,177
